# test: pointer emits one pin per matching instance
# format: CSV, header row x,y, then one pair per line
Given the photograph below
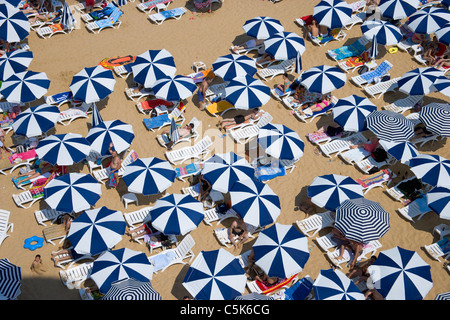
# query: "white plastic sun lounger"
x,y
73,277
5,225
197,151
211,215
404,104
436,252
244,134
415,210
381,87
137,217
179,254
222,234
162,16
316,222
341,144
47,214
371,248
276,69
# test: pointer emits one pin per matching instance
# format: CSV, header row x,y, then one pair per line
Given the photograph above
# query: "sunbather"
x,y
36,172
205,188
46,16
61,255
249,44
145,228
265,57
2,143
115,166
442,62
285,85
330,130
420,131
253,114
66,220
361,270
369,146
237,232
318,106
313,29
182,132
202,92
346,244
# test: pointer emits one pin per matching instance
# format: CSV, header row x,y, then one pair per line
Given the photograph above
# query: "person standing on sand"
x,y
115,166
202,92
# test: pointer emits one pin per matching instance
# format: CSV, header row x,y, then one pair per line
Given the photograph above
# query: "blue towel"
x,y
172,13
115,15
156,122
269,171
353,50
380,71
161,260
299,291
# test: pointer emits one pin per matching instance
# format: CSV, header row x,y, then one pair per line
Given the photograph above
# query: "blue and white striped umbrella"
x,y
96,230
14,3
96,117
177,214
14,24
374,48
72,192
446,3
67,18
398,9
443,34
222,170
281,142
284,45
281,251
122,2
10,280
63,149
332,13
390,126
419,81
431,169
232,66
403,151
254,296
351,112
262,27
439,200
35,121
120,264
436,118
384,31
247,93
255,202
153,65
362,220
400,274
428,20
331,190
131,289
174,133
25,86
215,275
333,284
148,176
174,88
14,62
442,85
323,79
119,133
92,84
443,296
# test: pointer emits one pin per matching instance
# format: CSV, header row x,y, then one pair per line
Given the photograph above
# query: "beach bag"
x,y
363,70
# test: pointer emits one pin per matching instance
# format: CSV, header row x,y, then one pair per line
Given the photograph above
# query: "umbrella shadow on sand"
x,y
215,5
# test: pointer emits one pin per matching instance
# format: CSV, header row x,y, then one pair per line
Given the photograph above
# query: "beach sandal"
x,y
317,152
291,113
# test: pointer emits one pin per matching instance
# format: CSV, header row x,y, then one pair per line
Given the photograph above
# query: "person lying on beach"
x,y
237,233
313,29
265,57
330,130
442,62
252,43
182,132
46,16
318,106
420,131
361,270
34,173
253,114
369,146
202,92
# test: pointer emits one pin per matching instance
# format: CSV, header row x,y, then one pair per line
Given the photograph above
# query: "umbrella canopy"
x,y
332,13
35,121
362,220
222,170
14,24
153,65
14,3
443,34
215,275
428,20
400,274
92,84
442,85
403,151
351,112
119,133
247,93
281,142
67,18
96,117
14,62
333,284
439,200
443,296
323,79
254,296
398,9
390,126
177,214
96,230
174,88
120,264
374,48
131,289
148,176
284,45
262,27
281,251
436,118
63,149
72,192
255,202
384,31
419,81
231,66
10,280
25,86
331,190
431,169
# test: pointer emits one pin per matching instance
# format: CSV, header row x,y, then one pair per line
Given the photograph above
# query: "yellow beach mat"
x,y
218,107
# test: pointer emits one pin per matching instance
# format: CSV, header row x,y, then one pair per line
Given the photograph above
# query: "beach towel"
x,y
299,291
270,171
153,103
38,191
198,77
56,27
320,136
359,60
379,72
19,157
6,124
112,181
190,169
152,3
161,260
218,107
444,244
156,122
200,4
105,12
268,289
307,20
111,20
60,97
353,50
170,13
380,176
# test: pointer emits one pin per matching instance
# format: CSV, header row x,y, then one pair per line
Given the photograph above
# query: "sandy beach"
x,y
203,36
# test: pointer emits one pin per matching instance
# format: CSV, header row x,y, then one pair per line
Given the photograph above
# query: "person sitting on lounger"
x,y
237,233
285,85
46,16
202,92
36,172
313,29
205,188
182,132
370,146
330,130
252,115
249,44
2,143
317,107
420,131
361,270
344,243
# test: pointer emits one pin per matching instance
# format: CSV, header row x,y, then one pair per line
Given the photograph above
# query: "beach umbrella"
x,y
442,85
148,176
254,296
331,190
96,230
262,27
374,48
247,93
443,34
332,13
436,118
35,121
281,142
446,3
10,280
323,79
431,169
390,126
284,45
419,81
92,84
403,151
428,20
120,264
14,62
14,24
443,296
67,18
438,199
153,65
255,202
384,31
215,275
177,214
131,289
400,274
362,220
222,170
351,112
25,86
398,9
14,3
174,88
119,133
96,117
231,66
333,284
174,133
72,192
63,149
281,251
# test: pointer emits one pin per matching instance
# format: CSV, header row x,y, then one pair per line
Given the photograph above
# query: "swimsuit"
x,y
326,103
